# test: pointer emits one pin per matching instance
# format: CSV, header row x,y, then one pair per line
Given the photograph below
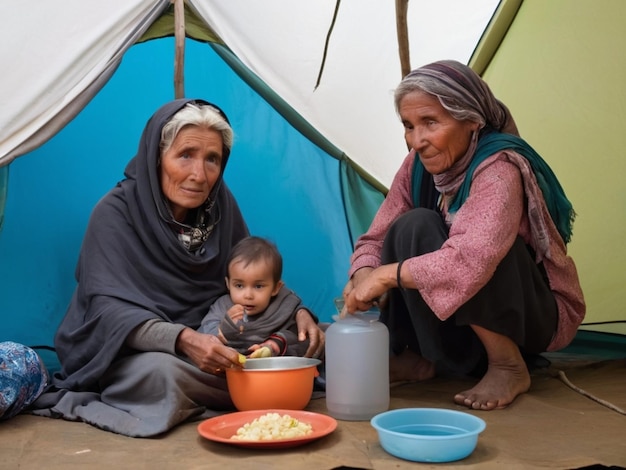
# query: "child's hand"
x,y
265,349
236,313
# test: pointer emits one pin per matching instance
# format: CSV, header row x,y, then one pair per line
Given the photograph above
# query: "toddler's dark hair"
x,y
254,249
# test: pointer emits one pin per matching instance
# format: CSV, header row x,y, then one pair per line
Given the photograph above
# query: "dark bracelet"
x,y
280,342
399,281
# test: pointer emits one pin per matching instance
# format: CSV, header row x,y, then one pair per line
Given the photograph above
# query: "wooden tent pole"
x,y
402,7
179,62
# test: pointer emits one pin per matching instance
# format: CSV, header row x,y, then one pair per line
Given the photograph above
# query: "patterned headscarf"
x,y
462,92
466,96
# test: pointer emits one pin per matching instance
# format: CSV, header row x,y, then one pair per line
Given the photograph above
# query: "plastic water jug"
x,y
357,367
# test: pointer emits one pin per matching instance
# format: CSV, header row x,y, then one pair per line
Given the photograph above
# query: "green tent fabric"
x,y
558,68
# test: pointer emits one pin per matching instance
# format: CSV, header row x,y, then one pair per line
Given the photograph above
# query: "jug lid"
x,y
359,317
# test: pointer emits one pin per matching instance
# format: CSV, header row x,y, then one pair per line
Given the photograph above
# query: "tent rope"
x,y
561,375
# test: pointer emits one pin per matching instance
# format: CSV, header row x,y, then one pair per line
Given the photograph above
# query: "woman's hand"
x,y
359,276
368,286
308,328
207,351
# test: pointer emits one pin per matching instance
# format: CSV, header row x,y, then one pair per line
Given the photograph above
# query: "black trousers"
x,y
516,302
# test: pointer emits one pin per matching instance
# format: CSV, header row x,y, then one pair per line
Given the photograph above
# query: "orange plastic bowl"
x,y
283,382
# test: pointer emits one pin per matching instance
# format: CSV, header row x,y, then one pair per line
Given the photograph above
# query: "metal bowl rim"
x,y
273,364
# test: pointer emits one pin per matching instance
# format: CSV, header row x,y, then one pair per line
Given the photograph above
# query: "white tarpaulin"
x,y
56,56
54,51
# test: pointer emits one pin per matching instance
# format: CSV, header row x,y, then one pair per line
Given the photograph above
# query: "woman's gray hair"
x,y
461,91
199,115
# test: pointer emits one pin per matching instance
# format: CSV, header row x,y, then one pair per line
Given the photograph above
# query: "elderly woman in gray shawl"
x,y
469,246
153,261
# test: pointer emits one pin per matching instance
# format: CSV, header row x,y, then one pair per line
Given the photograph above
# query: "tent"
x,y
308,87
558,69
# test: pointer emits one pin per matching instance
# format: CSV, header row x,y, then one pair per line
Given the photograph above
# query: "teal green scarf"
x,y
559,206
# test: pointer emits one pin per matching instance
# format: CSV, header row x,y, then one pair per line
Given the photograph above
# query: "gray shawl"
x,y
132,267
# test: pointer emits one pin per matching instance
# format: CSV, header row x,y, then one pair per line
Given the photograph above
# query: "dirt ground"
x,y
552,426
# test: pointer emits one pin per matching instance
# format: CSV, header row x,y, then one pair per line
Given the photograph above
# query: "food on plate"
x,y
272,426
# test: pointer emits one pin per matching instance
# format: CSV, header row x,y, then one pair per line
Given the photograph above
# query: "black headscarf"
x,y
133,268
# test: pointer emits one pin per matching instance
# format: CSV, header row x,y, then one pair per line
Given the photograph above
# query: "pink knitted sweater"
x,y
481,234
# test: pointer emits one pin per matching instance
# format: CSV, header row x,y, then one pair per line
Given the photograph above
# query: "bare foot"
x,y
502,383
409,366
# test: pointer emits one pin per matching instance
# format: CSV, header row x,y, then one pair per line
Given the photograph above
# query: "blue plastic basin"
x,y
428,434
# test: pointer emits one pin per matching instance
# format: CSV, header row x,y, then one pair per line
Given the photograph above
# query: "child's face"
x,y
252,285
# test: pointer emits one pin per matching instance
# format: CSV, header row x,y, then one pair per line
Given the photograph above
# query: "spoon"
x,y
244,320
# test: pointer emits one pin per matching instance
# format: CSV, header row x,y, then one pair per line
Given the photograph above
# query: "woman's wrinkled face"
x,y
438,138
190,168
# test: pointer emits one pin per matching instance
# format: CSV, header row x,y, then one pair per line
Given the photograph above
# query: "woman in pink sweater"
x,y
467,254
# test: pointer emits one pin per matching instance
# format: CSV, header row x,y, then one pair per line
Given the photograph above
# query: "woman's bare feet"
x,y
409,366
498,388
507,375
